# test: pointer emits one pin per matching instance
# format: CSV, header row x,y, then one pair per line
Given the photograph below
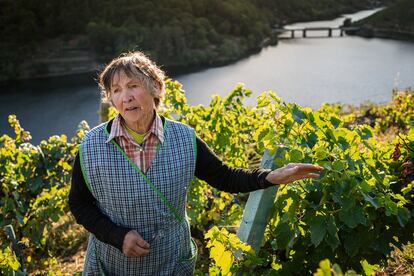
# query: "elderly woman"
x,y
132,174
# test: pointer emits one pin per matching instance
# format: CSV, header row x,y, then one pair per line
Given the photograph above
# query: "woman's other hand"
x,y
134,245
293,172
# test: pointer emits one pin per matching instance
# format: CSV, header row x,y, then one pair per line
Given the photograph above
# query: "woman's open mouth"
x,y
132,108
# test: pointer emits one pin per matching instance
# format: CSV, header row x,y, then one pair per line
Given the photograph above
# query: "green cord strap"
x,y
164,199
85,176
195,144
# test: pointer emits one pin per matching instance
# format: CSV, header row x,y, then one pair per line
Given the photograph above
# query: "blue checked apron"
x,y
153,203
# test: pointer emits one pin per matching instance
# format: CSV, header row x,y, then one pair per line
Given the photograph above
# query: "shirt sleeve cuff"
x,y
118,235
263,182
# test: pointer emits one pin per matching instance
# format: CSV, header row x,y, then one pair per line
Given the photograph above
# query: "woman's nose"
x,y
127,97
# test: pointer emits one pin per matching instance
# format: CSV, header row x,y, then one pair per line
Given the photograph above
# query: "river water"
x,y
315,70
309,71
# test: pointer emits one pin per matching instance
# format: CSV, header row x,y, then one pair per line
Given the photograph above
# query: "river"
x,y
309,71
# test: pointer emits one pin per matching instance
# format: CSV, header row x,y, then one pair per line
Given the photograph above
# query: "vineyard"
x,y
351,219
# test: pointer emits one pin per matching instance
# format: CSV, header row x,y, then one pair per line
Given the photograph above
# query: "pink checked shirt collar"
x,y
118,130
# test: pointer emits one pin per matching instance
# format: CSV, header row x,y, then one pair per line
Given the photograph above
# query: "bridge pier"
x,y
304,32
293,34
341,33
330,32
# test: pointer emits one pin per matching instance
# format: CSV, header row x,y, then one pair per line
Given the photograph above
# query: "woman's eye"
x,y
115,91
134,85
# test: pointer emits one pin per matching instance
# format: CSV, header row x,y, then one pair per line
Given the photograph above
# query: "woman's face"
x,y
133,102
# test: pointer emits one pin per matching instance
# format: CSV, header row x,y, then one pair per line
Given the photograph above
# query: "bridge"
x,y
305,31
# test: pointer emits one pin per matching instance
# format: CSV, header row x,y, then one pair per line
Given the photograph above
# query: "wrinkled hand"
x,y
134,245
293,172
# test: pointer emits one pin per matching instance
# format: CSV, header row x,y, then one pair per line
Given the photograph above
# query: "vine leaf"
x,y
298,115
371,200
351,244
352,217
403,216
332,237
283,235
317,229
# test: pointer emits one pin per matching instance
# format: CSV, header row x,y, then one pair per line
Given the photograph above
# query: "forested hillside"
x,y
56,37
397,21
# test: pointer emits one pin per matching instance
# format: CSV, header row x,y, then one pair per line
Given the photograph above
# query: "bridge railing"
x,y
304,31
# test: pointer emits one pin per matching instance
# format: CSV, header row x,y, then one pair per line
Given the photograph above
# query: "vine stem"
x,y
284,187
334,211
303,188
405,143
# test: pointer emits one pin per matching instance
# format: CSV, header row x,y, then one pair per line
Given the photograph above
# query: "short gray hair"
x,y
135,65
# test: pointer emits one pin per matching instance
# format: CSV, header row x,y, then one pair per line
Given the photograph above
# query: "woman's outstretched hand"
x,y
293,172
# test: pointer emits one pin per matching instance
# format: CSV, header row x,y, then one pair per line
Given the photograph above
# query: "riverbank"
x,y
394,22
371,32
70,63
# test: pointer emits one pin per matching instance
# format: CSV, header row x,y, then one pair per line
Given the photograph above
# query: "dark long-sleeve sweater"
x,y
208,167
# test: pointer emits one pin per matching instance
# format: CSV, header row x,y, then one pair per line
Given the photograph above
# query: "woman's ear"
x,y
156,103
109,100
